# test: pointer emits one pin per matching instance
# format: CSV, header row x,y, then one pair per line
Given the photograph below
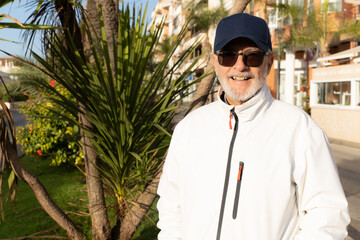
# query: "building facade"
x,y
302,76
7,65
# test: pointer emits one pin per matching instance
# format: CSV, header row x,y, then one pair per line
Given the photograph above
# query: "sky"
x,y
21,13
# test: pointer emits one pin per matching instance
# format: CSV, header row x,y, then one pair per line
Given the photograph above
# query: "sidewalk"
x,y
348,162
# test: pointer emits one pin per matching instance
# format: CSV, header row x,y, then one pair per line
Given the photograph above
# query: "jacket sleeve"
x,y
323,208
169,203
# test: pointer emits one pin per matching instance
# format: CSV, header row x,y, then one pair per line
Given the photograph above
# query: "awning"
x,y
350,53
357,2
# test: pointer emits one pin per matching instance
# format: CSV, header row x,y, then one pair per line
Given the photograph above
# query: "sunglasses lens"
x,y
227,59
253,59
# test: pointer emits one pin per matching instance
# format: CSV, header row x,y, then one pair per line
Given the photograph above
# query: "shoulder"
x,y
293,119
290,113
200,114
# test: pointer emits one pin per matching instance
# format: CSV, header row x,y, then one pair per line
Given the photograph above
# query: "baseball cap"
x,y
243,25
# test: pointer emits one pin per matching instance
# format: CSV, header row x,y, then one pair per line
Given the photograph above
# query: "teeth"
x,y
239,78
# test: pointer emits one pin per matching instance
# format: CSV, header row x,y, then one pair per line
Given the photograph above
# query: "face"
x,y
241,82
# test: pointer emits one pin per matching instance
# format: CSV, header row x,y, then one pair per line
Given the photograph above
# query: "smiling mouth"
x,y
240,78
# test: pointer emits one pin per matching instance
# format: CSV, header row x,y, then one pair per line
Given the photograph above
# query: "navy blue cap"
x,y
243,25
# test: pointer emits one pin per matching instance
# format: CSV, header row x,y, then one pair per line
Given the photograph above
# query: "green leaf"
x,y
129,106
11,179
25,26
2,39
5,2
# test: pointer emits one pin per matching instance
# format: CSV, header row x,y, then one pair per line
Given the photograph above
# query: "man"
x,y
248,166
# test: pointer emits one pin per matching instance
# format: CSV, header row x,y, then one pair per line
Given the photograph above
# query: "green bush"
x,y
47,134
12,92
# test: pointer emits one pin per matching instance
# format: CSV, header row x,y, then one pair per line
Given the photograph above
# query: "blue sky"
x,y
20,13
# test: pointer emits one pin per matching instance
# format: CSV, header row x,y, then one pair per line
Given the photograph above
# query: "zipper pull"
x,y
230,125
237,193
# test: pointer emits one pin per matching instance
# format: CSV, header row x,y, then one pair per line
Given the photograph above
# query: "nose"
x,y
240,65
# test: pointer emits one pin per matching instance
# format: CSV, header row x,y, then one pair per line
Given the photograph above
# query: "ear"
x,y
214,59
270,62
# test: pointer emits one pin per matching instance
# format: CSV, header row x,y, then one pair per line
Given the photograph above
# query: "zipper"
x,y
228,166
237,193
230,125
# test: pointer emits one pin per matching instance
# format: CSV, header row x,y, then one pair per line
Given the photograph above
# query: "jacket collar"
x,y
255,106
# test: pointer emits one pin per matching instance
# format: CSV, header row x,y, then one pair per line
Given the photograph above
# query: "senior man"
x,y
248,166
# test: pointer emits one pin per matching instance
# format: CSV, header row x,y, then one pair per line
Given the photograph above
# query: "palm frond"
x,y
130,107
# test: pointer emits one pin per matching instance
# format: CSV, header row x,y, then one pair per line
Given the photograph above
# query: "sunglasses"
x,y
250,58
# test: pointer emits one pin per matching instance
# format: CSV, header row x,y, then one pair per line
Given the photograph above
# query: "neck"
x,y
232,102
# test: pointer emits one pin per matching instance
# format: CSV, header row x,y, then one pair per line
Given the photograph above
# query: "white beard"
x,y
250,92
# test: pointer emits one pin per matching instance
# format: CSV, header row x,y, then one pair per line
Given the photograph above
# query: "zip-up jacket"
x,y
260,170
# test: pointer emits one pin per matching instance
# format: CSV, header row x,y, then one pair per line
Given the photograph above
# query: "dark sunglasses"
x,y
250,58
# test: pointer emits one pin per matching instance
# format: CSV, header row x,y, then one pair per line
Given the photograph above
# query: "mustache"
x,y
241,74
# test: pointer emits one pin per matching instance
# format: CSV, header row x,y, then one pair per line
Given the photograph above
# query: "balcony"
x,y
165,4
189,42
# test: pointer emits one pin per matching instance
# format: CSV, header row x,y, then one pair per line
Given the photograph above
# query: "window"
x,y
334,93
272,19
194,32
176,22
299,3
332,5
197,52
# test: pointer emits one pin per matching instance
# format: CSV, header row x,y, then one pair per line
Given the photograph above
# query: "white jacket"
x,y
290,187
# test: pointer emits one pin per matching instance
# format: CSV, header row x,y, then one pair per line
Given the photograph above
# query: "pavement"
x,y
348,161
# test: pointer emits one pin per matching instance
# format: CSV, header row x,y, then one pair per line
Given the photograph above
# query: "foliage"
x,y
131,110
202,17
316,27
148,230
130,107
66,186
302,25
25,216
352,27
16,24
50,132
12,91
7,137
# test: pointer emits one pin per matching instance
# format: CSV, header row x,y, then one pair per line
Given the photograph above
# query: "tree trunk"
x,y
40,192
205,85
97,205
239,6
110,16
138,212
93,14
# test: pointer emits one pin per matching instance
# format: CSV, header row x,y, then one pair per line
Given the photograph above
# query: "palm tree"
x,y
129,113
314,28
66,12
311,29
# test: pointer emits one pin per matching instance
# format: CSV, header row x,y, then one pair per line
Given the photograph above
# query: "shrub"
x,y
12,91
49,132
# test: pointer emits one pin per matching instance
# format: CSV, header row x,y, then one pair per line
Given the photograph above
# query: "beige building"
x,y
335,85
7,65
335,96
